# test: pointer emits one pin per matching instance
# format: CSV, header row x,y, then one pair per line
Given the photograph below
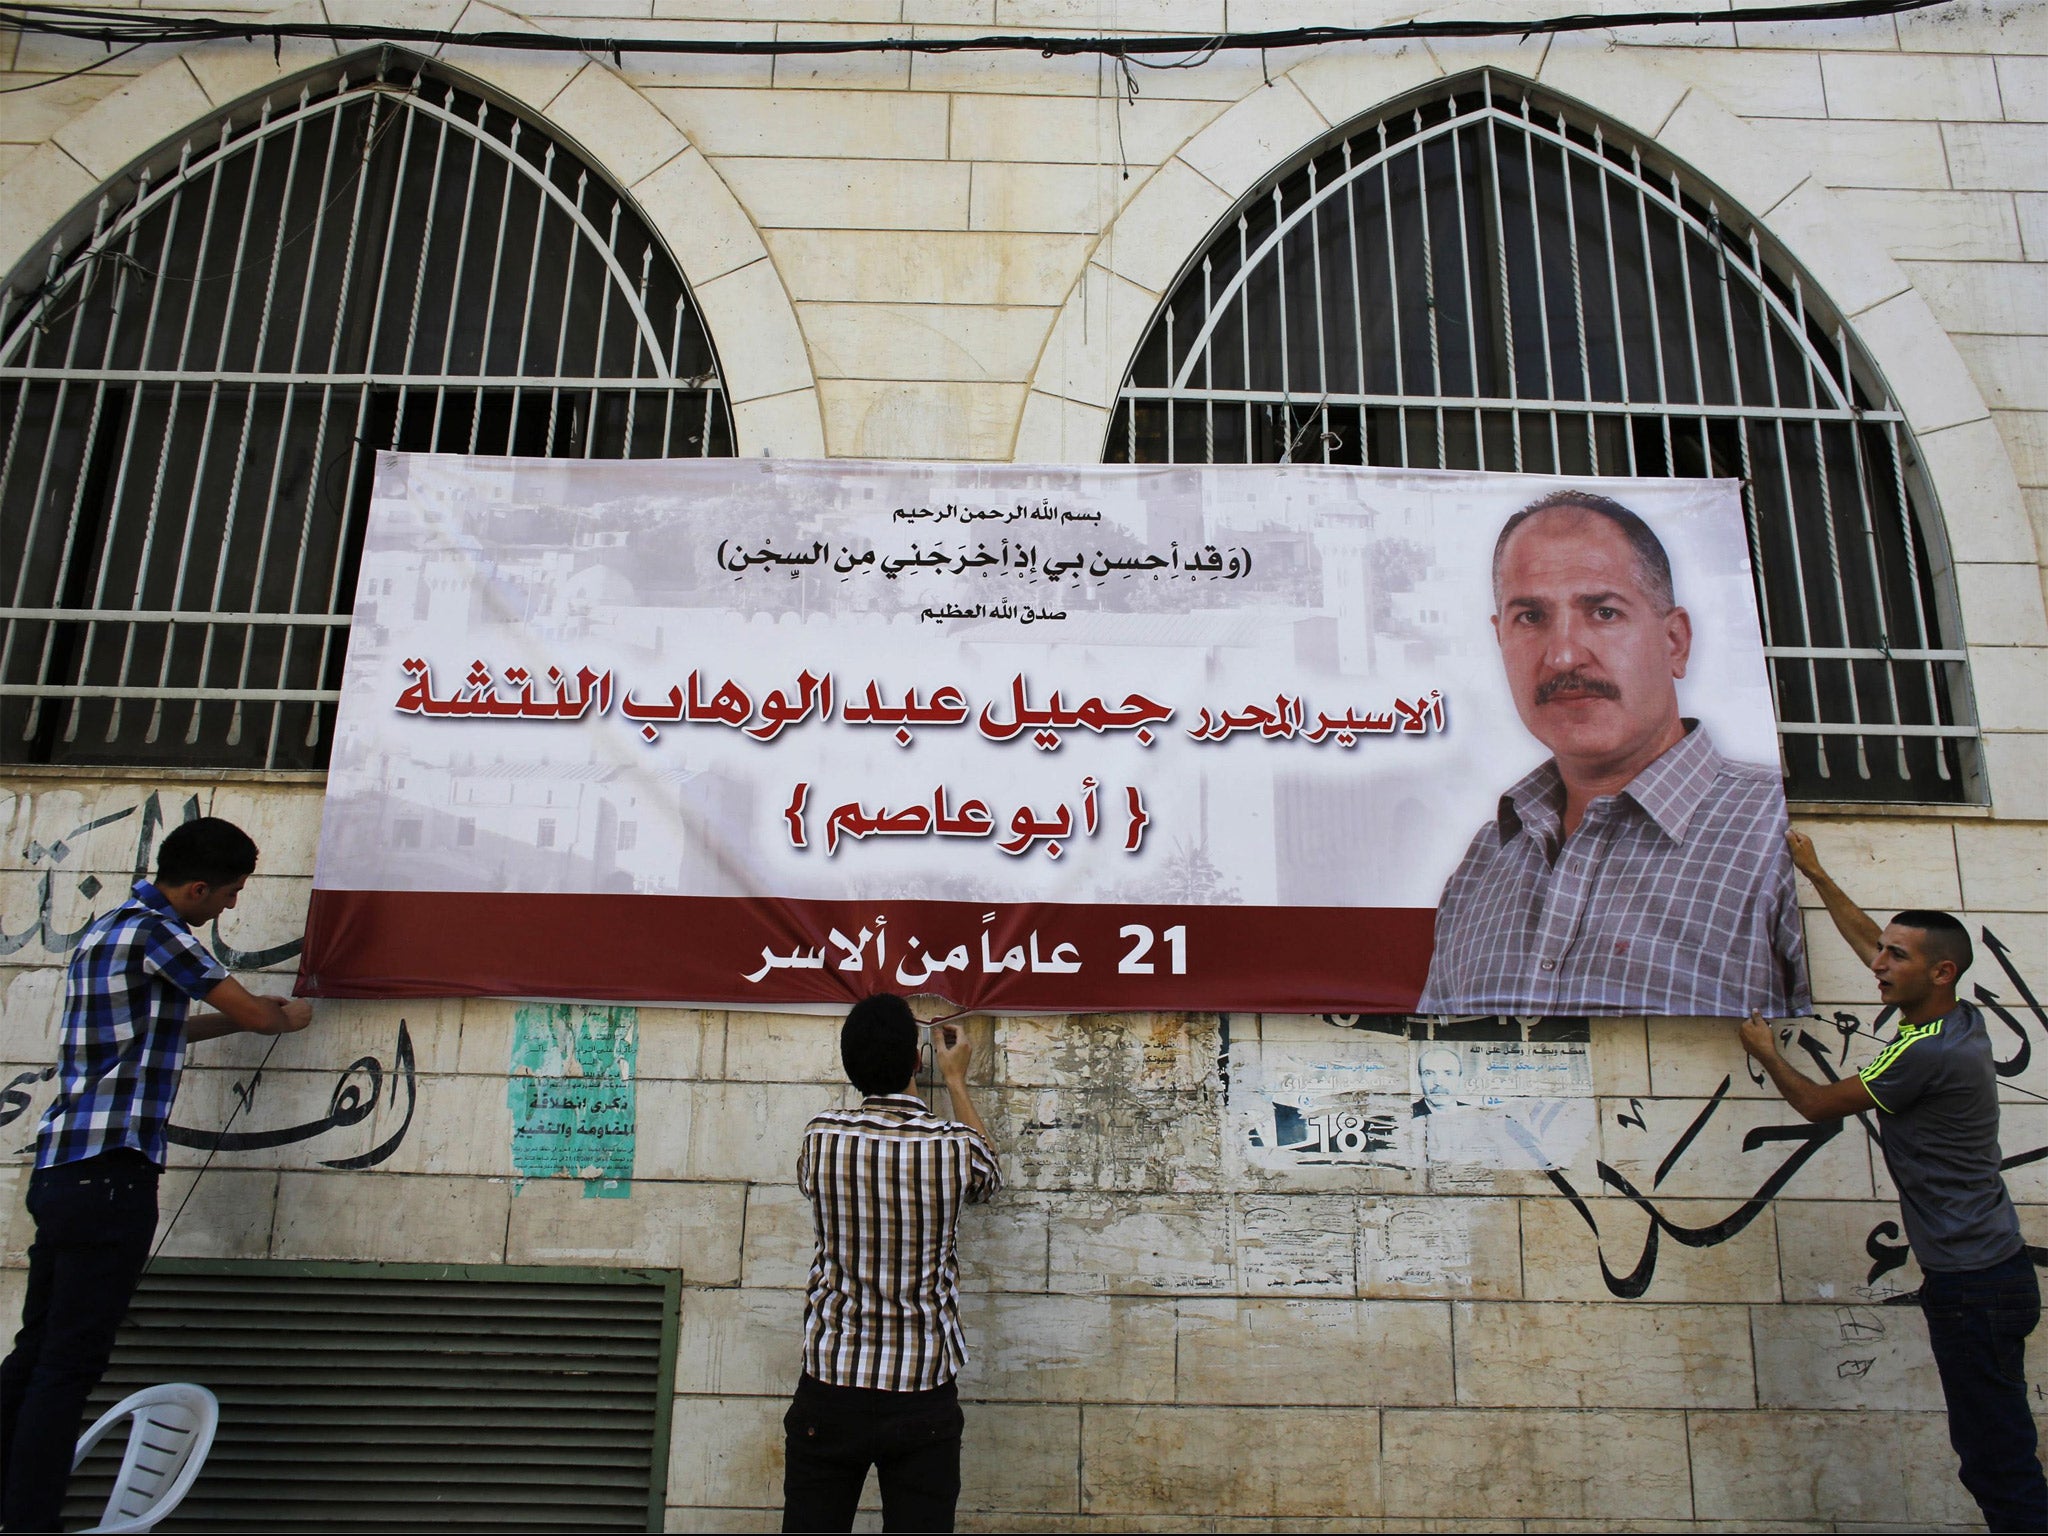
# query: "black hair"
x,y
209,849
878,1044
1947,939
1653,565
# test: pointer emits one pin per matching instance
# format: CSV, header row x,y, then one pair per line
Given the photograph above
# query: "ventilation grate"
x,y
369,1397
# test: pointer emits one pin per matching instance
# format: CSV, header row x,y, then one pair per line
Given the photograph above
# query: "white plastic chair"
x,y
167,1445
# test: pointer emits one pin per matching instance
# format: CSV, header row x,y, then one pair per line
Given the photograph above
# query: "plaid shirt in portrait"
x,y
1673,897
886,1183
130,985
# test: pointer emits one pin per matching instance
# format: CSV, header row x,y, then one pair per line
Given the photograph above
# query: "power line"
x,y
114,27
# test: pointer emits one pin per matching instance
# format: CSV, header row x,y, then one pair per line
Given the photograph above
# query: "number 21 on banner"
x,y
1135,963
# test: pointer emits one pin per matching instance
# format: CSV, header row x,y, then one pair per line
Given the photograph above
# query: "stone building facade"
x,y
955,256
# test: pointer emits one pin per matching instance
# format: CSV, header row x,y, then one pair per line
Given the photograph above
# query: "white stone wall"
x,y
945,257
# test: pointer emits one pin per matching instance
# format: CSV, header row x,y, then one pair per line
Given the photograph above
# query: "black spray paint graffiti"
x,y
42,926
1886,1252
353,1101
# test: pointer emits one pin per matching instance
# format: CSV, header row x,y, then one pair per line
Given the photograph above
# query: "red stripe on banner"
x,y
704,948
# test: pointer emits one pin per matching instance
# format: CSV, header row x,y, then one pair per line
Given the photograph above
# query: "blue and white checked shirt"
x,y
126,995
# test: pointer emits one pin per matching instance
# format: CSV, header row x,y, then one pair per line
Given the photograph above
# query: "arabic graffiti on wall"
x,y
572,1095
58,864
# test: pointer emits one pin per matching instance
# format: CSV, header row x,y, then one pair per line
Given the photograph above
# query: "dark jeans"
x,y
834,1434
1978,1321
94,1221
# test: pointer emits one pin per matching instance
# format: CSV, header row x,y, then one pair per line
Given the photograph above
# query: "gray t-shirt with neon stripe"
x,y
1939,1093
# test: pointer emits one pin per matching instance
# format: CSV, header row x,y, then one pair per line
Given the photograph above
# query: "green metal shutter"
x,y
362,1397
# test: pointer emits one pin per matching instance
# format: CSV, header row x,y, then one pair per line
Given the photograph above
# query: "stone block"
x,y
1143,1245
1295,1245
1137,1052
1203,17
1495,1465
283,819
1263,132
1347,83
1072,130
2004,157
850,193
782,1048
1588,66
783,426
1689,1059
1854,270
1935,390
1620,1056
1982,513
397,1218
735,1342
2003,867
42,188
2025,434
2007,369
227,1216
2002,604
693,1228
780,1238
1004,1244
690,206
1091,342
781,10
875,125
2008,682
531,77
269,916
1287,1350
1060,431
760,350
1824,1249
1748,82
17,1228
1155,1141
1985,297
1562,1255
1166,225
1850,1466
2016,765
1602,1355
903,420
696,1518
1273,1463
1080,199
1844,1356
1930,87
1976,26
841,71
1935,226
1714,1165
925,341
1439,1245
2023,88
148,109
462,1125
750,1131
95,827
727,1451
938,267
1843,153
1022,1457
32,1011
1704,135
211,1097
1092,1349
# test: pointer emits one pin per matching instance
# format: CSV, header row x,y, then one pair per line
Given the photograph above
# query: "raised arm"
x,y
240,1011
1851,921
953,1051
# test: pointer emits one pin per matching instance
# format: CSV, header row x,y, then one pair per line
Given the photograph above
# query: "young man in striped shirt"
x,y
882,1339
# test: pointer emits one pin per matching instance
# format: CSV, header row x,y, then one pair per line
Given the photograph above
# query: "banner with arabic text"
x,y
773,732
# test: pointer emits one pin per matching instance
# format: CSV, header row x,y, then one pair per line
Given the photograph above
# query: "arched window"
x,y
1488,279
195,382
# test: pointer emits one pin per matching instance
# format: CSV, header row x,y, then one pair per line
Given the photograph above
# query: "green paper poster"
x,y
571,1092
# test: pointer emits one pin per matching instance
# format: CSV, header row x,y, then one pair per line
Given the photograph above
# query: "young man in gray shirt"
x,y
1936,1093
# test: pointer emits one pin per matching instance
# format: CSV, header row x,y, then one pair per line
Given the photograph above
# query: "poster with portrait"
x,y
1304,738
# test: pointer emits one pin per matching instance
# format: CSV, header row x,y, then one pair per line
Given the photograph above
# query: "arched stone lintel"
x,y
1141,252
746,309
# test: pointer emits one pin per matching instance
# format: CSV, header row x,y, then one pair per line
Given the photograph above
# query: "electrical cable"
x,y
112,27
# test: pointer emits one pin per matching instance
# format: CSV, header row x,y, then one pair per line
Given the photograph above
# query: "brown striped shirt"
x,y
886,1183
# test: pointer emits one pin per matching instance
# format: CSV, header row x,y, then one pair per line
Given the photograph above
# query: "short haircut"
x,y
878,1044
1945,937
1653,565
209,849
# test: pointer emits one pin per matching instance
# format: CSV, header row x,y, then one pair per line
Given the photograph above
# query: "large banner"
x,y
1290,738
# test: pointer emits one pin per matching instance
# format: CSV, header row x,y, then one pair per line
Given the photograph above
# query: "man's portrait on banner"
x,y
1637,870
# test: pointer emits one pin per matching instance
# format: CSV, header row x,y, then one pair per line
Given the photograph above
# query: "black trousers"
x,y
834,1434
1978,1322
94,1222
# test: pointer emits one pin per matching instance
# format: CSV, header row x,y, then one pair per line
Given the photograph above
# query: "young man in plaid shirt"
x,y
101,1147
882,1340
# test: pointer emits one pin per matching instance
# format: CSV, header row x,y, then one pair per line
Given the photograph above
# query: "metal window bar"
x,y
1693,347
197,374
